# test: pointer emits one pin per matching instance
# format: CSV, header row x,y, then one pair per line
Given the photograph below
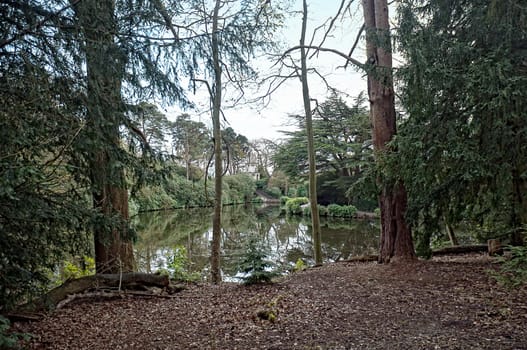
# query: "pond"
x,y
288,238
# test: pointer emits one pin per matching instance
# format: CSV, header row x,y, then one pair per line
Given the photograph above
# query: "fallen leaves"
x,y
440,304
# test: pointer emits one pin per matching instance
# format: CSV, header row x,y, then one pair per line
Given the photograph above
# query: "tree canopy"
x,y
342,138
462,143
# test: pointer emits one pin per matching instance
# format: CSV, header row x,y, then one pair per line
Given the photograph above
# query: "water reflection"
x,y
289,238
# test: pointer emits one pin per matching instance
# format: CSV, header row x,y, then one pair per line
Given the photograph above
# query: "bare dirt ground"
x,y
447,303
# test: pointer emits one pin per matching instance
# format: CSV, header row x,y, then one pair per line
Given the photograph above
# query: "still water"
x,y
288,238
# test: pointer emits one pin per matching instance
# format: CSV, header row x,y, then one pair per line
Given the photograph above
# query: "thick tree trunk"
x,y
315,219
396,238
215,263
113,246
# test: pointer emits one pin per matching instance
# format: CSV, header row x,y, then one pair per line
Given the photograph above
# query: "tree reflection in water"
x,y
288,237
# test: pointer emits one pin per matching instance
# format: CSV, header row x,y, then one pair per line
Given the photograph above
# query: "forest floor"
x,y
445,303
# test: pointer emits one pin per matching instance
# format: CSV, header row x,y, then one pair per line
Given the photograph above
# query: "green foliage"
x,y
342,138
254,265
191,140
44,214
261,184
153,198
298,190
178,263
460,150
174,192
513,268
273,192
10,340
294,205
76,270
58,123
299,265
322,210
284,200
341,211
238,189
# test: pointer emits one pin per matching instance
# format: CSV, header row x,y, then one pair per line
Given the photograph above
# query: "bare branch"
x,y
325,49
331,24
355,43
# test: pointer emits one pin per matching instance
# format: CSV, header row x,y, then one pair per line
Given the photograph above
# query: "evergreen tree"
x,y
463,87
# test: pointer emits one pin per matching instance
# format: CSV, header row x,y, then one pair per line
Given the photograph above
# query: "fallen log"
x,y
460,249
130,280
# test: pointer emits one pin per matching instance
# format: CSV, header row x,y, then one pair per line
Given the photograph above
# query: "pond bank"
x,y
445,303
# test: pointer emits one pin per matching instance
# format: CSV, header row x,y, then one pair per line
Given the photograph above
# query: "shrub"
x,y
341,211
294,205
9,340
348,211
238,188
299,265
513,270
254,265
322,210
284,199
73,270
273,191
179,264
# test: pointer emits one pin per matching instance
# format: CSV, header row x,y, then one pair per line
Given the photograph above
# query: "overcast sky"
x,y
258,122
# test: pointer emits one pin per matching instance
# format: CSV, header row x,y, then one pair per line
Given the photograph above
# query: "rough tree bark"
x,y
113,247
396,237
315,220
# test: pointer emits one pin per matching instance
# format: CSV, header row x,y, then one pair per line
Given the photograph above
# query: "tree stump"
x,y
494,247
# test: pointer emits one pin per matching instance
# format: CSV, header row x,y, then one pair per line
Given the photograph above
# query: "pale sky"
x,y
258,122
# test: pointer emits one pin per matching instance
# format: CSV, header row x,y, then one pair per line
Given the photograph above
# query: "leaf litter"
x,y
444,303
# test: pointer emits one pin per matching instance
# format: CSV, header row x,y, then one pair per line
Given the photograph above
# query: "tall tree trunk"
x,y
315,219
396,237
215,262
113,246
519,205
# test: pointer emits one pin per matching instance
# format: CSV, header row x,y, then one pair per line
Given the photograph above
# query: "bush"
x,y
348,211
273,191
238,189
153,198
294,205
322,210
341,211
284,199
254,265
179,264
513,270
73,270
9,340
